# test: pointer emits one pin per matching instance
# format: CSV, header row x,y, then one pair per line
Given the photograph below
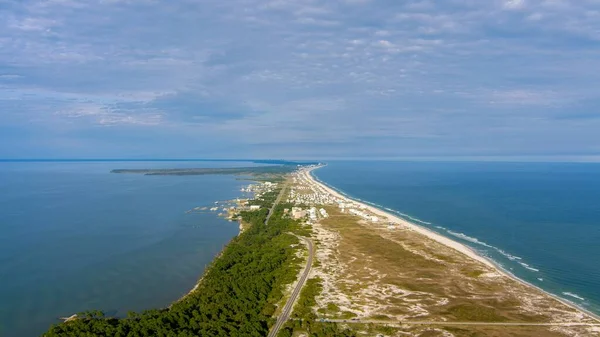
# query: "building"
x,y
312,214
298,213
254,207
323,212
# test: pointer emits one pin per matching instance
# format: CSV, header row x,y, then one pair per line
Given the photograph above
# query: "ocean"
x,y
538,221
75,237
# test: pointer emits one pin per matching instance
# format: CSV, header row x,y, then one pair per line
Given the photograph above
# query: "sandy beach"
x,y
440,239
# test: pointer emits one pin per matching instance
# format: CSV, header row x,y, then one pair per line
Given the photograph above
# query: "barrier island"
x,y
310,261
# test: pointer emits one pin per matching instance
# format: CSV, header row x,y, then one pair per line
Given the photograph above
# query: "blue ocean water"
x,y
539,221
75,237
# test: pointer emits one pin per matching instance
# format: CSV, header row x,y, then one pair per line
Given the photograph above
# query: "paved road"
x,y
279,196
287,309
358,321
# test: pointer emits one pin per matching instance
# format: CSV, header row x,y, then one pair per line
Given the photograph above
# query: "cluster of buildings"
x,y
305,193
231,208
312,213
310,197
363,215
259,189
265,186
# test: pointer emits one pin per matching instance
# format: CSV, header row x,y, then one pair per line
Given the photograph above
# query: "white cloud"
x,y
385,43
270,68
316,22
106,116
514,4
33,24
9,76
535,16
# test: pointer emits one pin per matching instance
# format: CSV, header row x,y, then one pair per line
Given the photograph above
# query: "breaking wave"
x,y
481,243
566,293
469,238
526,266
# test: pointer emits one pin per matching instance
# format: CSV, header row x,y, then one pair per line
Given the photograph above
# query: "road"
x,y
358,321
279,196
287,309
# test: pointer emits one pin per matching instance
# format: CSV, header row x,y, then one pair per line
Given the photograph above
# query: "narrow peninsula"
x,y
310,261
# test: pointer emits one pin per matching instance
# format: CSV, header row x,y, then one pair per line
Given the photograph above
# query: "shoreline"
x,y
448,242
206,269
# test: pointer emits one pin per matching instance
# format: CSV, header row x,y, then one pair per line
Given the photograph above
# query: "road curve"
x,y
287,309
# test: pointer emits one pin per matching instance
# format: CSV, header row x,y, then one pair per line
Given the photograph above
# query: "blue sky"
x,y
299,78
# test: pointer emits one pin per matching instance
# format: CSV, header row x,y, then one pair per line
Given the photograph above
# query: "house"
x,y
312,213
323,213
254,207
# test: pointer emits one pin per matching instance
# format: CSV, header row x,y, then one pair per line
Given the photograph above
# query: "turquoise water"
x,y
74,237
539,221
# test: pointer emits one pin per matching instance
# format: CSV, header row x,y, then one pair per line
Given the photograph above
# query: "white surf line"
x,y
441,239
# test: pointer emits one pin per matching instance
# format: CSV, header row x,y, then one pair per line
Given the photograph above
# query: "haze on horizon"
x,y
299,78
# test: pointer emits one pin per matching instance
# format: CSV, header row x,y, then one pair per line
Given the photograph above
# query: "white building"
x,y
323,212
312,213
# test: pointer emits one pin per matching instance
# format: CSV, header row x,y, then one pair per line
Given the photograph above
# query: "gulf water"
x,y
539,221
75,237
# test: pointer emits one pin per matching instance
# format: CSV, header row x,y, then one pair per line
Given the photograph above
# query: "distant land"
x,y
279,169
255,161
275,167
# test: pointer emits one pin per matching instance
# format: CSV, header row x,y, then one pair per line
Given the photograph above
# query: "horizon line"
x,y
516,159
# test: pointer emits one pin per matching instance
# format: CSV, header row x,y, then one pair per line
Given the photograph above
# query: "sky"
x,y
299,78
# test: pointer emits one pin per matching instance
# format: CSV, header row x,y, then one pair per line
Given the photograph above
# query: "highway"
x,y
279,196
287,309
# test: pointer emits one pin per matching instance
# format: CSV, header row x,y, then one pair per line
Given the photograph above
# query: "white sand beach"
x,y
440,239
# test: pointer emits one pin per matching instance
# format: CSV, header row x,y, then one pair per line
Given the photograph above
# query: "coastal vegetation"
x,y
265,201
236,296
305,320
307,299
373,272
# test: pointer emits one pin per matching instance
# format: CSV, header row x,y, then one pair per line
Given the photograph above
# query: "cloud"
x,y
10,76
105,116
514,4
402,76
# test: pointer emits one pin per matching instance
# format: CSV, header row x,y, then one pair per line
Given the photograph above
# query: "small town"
x,y
306,195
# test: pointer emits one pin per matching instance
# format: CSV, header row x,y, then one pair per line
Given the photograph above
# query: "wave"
x,y
404,215
526,266
508,256
566,293
469,238
502,252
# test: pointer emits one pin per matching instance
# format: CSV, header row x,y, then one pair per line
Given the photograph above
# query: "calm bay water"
x,y
75,237
540,221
